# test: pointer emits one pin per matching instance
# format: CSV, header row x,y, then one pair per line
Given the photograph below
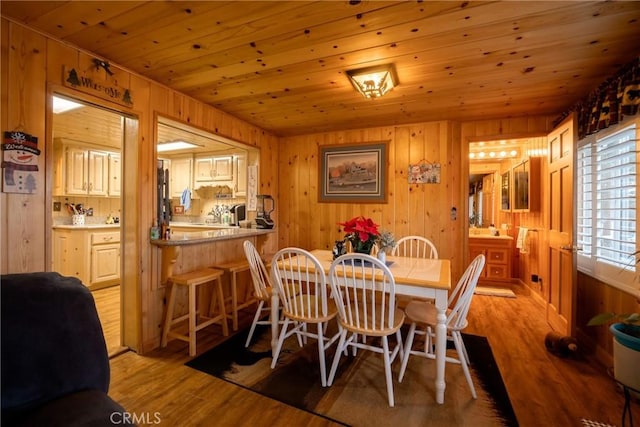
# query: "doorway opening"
x,y
88,143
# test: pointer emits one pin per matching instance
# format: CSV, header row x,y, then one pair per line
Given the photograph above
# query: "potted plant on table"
x,y
362,233
386,242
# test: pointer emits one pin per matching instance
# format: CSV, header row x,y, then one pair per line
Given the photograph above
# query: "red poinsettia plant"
x,y
361,232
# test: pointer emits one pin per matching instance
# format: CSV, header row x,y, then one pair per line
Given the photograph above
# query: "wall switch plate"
x,y
57,206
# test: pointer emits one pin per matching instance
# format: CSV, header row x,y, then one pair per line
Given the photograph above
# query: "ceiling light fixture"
x,y
374,82
62,105
175,145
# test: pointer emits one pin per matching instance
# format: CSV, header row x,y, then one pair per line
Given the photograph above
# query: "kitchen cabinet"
x,y
92,254
180,175
240,175
115,175
212,169
69,247
105,257
203,169
223,167
88,171
497,251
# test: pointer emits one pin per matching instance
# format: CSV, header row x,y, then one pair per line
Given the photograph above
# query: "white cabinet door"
x,y
223,168
203,169
180,175
105,256
98,169
240,175
105,263
76,179
69,250
87,172
115,174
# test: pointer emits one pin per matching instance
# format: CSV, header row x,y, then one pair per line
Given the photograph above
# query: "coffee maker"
x,y
265,205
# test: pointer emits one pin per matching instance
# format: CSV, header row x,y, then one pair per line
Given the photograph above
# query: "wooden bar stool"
x,y
192,280
233,269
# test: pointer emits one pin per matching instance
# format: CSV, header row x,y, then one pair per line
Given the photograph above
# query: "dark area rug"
x,y
358,395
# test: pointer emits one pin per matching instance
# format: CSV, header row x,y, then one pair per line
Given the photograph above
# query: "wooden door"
x,y
560,292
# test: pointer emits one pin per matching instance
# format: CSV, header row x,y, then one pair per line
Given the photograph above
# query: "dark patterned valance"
x,y
615,99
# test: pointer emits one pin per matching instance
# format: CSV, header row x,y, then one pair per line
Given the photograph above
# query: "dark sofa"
x,y
55,367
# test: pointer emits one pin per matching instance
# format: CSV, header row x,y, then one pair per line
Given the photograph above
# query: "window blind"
x,y
606,211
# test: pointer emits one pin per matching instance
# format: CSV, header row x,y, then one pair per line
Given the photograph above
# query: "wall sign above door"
x,y
94,84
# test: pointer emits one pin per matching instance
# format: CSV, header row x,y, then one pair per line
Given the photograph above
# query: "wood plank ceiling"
x,y
281,64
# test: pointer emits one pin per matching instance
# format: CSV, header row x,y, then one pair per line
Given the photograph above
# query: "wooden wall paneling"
x,y
435,151
192,110
454,187
25,107
418,211
309,227
24,99
4,120
135,208
401,140
596,297
388,209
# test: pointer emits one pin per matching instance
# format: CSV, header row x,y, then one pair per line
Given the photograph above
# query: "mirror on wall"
x,y
202,177
495,167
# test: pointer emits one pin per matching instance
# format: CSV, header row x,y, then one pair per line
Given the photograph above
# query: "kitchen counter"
x,y
489,236
84,226
200,248
199,225
183,238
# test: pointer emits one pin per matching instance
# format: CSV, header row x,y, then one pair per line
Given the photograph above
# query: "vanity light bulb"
x,y
513,153
481,154
503,154
492,154
472,155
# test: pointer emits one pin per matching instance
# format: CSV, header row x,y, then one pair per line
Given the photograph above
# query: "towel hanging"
x,y
521,243
185,199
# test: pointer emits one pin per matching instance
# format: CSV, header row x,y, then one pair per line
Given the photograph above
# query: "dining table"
x,y
413,277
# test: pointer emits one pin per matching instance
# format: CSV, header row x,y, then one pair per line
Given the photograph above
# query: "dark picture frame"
x,y
353,173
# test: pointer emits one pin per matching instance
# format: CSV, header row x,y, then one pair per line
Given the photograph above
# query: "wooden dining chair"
x,y
302,287
415,247
423,314
262,288
364,291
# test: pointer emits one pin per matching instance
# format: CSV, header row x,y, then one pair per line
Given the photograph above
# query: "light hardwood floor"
x,y
108,306
545,390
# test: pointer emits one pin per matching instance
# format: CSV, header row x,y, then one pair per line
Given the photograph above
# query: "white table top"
x,y
428,273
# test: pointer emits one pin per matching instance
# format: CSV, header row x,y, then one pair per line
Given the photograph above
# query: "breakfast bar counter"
x,y
182,238
191,250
